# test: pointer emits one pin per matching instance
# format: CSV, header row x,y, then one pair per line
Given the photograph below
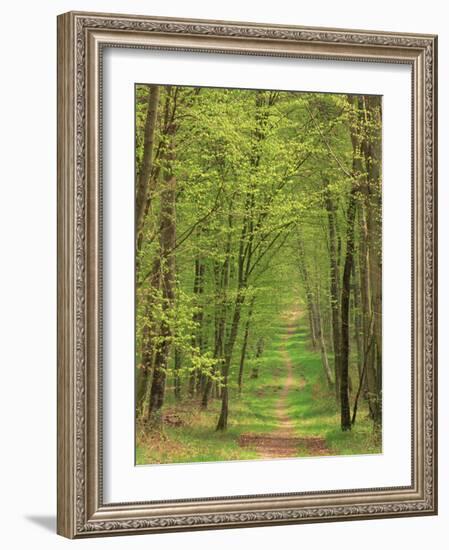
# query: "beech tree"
x,y
242,195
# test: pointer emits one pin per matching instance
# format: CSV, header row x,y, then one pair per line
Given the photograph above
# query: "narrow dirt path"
x,y
283,442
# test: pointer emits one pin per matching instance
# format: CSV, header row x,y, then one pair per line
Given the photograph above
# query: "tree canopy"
x,y
250,203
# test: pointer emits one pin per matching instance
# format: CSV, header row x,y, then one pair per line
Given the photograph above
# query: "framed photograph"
x,y
246,274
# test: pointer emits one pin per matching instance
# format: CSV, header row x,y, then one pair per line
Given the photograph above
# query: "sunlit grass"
x,y
197,440
314,407
311,405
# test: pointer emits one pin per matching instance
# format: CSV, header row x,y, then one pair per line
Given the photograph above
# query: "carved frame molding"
x,y
81,39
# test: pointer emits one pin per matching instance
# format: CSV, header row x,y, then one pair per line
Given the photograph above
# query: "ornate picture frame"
x,y
82,38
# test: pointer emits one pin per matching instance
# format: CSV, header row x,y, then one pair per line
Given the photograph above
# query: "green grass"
x,y
197,441
312,406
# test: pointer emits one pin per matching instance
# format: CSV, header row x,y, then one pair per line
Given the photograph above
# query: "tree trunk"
x,y
143,196
149,333
322,343
245,345
167,241
357,318
198,316
357,174
371,148
176,377
308,291
259,351
314,312
143,192
221,279
334,289
345,301
223,419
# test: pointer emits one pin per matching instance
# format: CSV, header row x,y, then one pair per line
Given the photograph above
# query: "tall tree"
x,y
166,263
143,185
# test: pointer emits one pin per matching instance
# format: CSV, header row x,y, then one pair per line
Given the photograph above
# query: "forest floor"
x,y
288,411
284,442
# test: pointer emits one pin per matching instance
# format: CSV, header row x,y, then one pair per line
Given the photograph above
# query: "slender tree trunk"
x,y
369,350
198,316
308,291
314,311
243,255
313,336
143,196
176,377
223,418
167,241
245,345
149,333
322,343
143,191
259,351
221,278
357,318
371,148
334,290
345,301
358,176
154,289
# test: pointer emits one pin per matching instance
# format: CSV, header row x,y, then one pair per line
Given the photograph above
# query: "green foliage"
x,y
252,172
315,410
311,407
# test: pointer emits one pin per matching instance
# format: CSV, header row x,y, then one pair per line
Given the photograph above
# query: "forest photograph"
x,y
258,274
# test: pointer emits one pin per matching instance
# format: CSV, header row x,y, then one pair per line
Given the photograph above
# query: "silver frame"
x,y
81,39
